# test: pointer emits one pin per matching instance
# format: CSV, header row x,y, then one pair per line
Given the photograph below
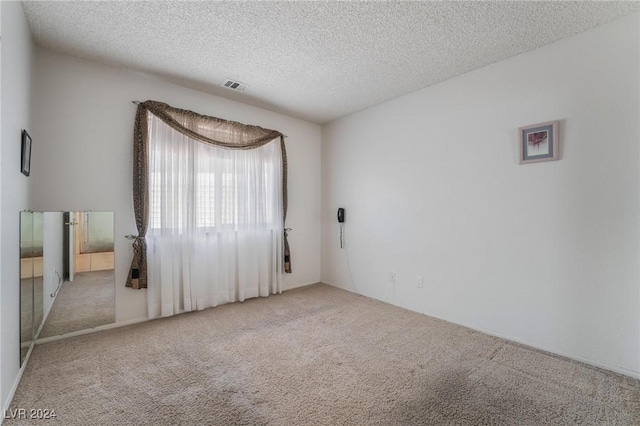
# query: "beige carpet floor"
x,y
314,356
86,302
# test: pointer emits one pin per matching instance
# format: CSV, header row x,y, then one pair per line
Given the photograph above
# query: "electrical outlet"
x,y
419,281
392,276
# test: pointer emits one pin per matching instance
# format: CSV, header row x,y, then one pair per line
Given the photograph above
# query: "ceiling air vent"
x,y
234,85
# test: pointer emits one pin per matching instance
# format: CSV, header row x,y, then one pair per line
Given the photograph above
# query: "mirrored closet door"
x,y
31,281
67,273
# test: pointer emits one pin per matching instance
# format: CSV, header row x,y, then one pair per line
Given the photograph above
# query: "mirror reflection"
x,y
31,278
67,273
27,257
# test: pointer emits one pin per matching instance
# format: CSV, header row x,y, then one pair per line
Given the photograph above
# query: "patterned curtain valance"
x,y
215,131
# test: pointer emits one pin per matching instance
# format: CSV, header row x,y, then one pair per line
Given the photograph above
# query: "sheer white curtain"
x,y
215,222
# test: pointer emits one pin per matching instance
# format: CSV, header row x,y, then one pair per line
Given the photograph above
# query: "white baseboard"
x,y
616,369
91,330
350,290
291,287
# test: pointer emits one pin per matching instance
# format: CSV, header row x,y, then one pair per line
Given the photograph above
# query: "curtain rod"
x,y
138,103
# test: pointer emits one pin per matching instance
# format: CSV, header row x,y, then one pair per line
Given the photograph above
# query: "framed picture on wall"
x,y
539,142
26,154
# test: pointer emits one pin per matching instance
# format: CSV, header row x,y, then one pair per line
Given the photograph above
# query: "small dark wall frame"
x,y
25,167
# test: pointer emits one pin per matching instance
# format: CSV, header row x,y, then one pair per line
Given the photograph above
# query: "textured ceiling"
x,y
314,60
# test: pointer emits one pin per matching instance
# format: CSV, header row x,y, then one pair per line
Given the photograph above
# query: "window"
x,y
193,185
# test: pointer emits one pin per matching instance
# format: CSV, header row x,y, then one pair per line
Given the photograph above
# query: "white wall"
x,y
52,262
546,254
16,53
82,156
